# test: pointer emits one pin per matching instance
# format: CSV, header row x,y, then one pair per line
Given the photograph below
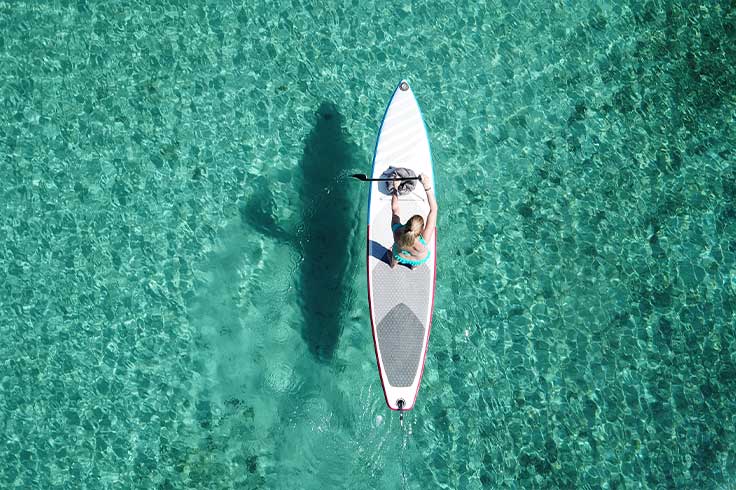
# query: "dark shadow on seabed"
x,y
329,221
260,212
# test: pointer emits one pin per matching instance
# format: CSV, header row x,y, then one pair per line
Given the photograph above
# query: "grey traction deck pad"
x,y
401,303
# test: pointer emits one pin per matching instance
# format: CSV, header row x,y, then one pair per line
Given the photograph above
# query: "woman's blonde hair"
x,y
411,230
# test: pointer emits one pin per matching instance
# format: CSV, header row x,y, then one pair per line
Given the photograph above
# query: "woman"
x,y
410,240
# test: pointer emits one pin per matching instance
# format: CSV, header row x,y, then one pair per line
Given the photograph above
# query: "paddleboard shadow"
x,y
259,212
328,226
324,237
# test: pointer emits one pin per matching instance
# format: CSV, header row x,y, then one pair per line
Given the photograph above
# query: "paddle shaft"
x,y
390,179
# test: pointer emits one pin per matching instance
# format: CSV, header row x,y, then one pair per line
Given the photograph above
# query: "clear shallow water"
x,y
183,292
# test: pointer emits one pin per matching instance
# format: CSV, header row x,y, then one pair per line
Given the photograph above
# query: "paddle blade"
x,y
360,177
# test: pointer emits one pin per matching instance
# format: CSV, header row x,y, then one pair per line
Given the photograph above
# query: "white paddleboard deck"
x,y
400,299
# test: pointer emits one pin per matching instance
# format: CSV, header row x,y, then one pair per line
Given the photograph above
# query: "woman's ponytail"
x,y
411,231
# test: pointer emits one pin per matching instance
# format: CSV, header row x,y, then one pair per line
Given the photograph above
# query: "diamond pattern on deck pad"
x,y
400,335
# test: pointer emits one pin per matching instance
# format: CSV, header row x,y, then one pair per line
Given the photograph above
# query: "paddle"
x,y
365,178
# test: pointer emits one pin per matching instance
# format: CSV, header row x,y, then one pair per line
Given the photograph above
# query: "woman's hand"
x,y
424,178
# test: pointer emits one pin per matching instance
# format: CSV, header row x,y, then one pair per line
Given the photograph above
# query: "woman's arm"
x,y
431,223
395,219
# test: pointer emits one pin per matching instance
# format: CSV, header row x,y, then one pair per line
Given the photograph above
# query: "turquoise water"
x,y
182,267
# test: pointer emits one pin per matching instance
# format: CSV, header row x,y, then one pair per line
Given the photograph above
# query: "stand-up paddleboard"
x,y
400,299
